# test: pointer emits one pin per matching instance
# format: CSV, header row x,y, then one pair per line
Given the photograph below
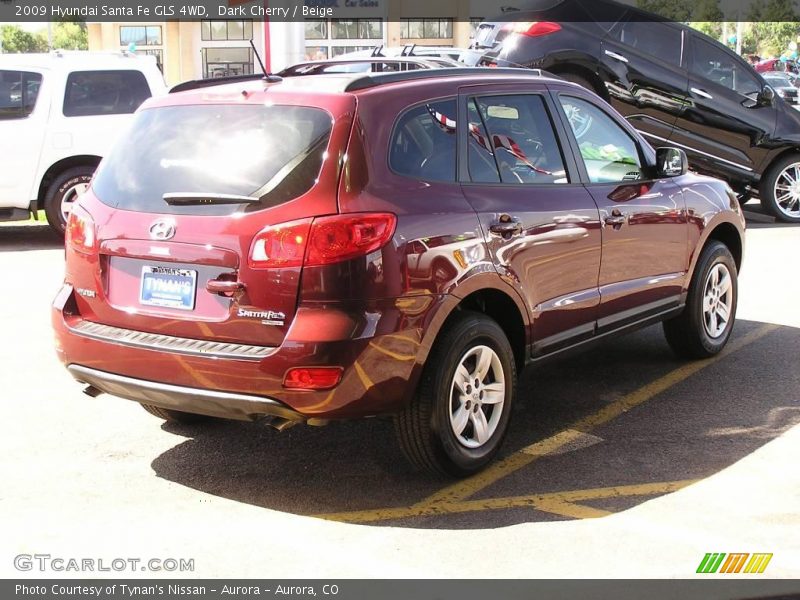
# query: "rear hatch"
x,y
184,196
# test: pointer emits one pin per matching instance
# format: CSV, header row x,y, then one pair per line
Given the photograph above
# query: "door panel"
x,y
722,124
542,231
645,75
644,225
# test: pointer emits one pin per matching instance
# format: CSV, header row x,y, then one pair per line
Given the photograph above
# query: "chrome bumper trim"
x,y
226,405
168,343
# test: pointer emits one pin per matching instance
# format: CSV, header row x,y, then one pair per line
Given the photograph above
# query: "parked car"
x,y
673,83
363,65
776,64
58,114
783,85
265,259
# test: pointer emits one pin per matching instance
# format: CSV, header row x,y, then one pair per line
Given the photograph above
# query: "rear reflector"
x,y
321,241
312,378
533,28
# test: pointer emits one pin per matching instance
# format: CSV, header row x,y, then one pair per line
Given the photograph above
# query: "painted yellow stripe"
x,y
764,562
560,503
362,375
505,467
753,561
394,355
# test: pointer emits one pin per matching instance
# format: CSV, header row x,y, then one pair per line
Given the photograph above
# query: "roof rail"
x,y
204,83
371,80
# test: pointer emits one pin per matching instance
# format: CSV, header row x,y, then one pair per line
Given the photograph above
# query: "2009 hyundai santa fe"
x,y
333,247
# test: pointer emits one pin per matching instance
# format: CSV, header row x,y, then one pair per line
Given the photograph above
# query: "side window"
x,y
90,93
521,138
654,39
424,141
480,154
18,93
719,67
609,153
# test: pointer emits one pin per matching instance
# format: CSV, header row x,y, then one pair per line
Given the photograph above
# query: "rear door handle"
x,y
701,93
616,219
616,56
506,226
224,288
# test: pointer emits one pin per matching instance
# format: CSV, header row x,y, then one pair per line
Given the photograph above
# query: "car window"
x,y
481,161
92,93
273,153
19,91
609,153
521,137
423,145
719,67
654,39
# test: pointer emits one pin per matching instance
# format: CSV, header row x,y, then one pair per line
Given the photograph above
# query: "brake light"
x,y
312,378
533,28
321,241
280,245
343,237
80,233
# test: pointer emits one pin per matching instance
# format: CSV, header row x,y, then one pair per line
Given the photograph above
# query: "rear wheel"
x,y
705,325
780,189
459,417
62,193
174,416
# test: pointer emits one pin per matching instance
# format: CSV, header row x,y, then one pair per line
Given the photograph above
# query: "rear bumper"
x,y
379,347
185,399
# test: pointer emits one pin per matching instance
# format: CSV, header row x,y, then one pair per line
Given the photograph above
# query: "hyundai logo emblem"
x,y
163,229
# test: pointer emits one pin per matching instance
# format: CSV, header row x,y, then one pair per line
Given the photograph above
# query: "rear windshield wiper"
x,y
197,198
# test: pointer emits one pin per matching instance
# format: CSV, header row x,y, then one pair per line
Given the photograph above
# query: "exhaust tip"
x,y
280,423
92,391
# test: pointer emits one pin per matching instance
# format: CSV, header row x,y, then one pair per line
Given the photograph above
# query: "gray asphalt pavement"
x,y
625,461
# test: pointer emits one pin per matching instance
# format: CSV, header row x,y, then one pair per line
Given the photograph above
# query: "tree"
x,y
707,17
16,39
70,35
675,10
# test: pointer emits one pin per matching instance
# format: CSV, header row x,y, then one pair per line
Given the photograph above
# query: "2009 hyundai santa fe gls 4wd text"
x,y
334,247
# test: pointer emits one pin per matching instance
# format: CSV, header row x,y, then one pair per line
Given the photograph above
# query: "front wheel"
x,y
703,328
459,417
780,189
62,194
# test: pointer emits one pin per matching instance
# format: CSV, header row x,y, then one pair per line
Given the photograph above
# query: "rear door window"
x,y
19,91
520,138
657,40
270,153
94,93
423,144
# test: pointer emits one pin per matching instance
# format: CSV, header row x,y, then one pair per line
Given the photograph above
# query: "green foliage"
x,y
69,35
676,10
16,39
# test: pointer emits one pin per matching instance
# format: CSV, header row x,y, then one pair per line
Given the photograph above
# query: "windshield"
x,y
272,153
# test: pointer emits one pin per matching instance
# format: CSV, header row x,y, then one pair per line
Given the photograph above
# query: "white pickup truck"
x,y
59,114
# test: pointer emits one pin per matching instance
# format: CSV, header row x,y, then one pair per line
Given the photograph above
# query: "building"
x,y
203,49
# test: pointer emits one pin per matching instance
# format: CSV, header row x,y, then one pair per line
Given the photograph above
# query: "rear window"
x,y
272,153
18,93
93,93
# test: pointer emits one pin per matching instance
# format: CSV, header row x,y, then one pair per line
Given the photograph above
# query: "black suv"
x,y
671,82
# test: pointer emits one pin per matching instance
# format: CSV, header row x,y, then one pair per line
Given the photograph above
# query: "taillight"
x,y
80,233
342,237
312,378
280,245
321,241
533,28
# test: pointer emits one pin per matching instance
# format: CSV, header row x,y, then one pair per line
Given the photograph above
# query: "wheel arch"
x,y
58,167
584,72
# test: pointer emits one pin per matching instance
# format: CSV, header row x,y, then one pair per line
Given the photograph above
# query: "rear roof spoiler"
x,y
204,83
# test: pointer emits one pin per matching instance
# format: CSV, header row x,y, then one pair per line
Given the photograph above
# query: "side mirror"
x,y
766,97
671,162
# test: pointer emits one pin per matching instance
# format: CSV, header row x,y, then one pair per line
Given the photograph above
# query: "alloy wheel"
x,y
717,301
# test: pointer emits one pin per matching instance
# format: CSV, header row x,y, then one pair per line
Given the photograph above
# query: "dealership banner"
x,y
384,589
459,10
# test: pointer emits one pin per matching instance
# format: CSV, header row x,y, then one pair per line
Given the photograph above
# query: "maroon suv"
x,y
332,247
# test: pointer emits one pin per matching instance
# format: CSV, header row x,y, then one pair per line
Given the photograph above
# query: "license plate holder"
x,y
168,287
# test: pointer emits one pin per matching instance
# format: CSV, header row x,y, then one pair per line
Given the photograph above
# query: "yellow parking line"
x,y
394,355
560,503
362,375
452,498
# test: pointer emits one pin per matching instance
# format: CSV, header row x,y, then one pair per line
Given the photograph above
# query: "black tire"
x,y
687,334
174,416
61,186
423,428
767,188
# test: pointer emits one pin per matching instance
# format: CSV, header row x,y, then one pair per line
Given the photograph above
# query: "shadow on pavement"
x,y
690,431
21,238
